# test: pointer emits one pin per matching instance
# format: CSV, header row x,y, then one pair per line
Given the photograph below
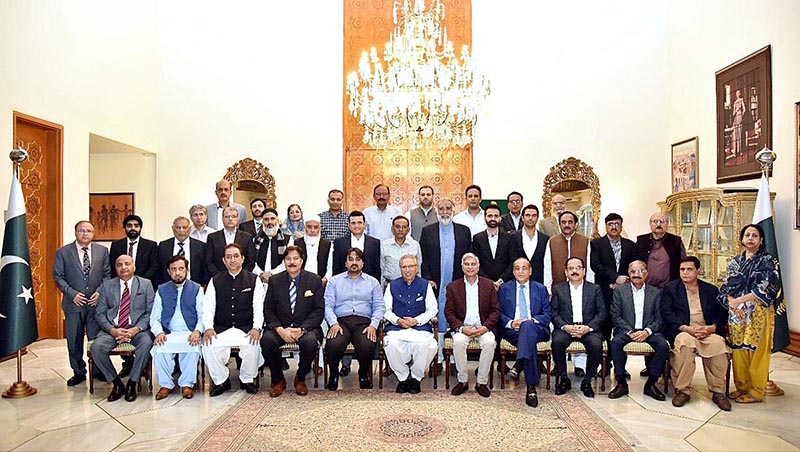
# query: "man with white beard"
x,y
317,252
271,247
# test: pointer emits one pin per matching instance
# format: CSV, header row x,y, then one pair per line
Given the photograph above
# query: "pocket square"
x,y
308,293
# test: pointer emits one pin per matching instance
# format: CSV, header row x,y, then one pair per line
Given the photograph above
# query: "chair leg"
x,y
603,365
380,371
549,360
502,370
324,368
446,371
491,376
666,377
434,372
91,373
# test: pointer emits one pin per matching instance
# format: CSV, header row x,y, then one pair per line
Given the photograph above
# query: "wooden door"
x,y
41,180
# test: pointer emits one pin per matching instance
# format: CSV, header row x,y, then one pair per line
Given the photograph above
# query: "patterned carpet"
x,y
384,421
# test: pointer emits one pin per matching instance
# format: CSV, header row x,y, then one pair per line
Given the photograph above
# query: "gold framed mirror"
x,y
250,180
579,184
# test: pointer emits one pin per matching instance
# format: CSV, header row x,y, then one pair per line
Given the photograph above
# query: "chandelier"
x,y
425,97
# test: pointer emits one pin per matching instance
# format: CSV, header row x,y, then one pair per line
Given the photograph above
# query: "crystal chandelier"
x,y
426,97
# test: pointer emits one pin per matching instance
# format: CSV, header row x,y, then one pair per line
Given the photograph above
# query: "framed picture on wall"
x,y
744,116
684,165
106,211
797,166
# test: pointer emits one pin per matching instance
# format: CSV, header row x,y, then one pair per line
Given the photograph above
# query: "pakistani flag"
x,y
17,308
763,217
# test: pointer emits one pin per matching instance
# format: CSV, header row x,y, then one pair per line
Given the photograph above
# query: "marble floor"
x,y
70,419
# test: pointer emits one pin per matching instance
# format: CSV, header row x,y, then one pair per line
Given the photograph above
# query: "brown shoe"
x,y
187,392
460,388
300,387
680,399
618,391
277,388
163,393
721,401
483,390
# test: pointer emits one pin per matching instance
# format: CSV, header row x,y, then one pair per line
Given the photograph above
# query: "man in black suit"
x,y
217,241
530,243
270,245
493,248
358,239
182,245
293,311
143,251
512,221
257,208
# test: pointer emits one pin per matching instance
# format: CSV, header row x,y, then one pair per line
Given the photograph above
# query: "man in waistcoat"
x,y
424,214
318,252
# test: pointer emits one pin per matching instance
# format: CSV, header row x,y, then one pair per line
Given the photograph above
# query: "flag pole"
x,y
19,388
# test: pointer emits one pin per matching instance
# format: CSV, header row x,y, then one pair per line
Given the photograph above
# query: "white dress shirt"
x,y
529,244
576,296
312,250
201,235
638,307
431,307
473,315
379,222
357,243
475,224
391,253
186,254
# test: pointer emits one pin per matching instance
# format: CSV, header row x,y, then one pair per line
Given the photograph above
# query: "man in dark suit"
x,y
79,269
358,239
578,315
193,250
695,322
636,314
512,221
123,314
217,241
143,251
293,311
525,321
530,243
493,248
257,208
472,312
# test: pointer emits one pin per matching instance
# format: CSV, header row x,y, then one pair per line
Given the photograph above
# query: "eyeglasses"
x,y
408,267
84,231
613,224
638,271
575,268
231,217
658,221
515,201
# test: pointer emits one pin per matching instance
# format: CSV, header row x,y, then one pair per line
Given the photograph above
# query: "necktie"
x,y
125,307
181,251
524,310
86,265
130,248
258,228
292,295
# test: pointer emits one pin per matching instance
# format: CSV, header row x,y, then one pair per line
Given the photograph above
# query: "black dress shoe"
x,y
116,393
414,386
130,391
284,364
580,373
345,371
333,382
564,385
618,391
654,392
126,369
531,398
219,389
644,372
627,375
364,383
459,389
76,380
586,388
402,386
249,387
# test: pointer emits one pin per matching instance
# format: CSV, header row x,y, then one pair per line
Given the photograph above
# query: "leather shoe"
x,y
131,392
644,372
333,382
721,401
300,387
364,383
116,392
163,393
284,364
654,392
580,373
402,386
187,392
563,385
277,389
513,375
345,371
250,388
531,398
618,391
459,389
483,390
76,380
219,389
413,386
127,366
680,399
586,388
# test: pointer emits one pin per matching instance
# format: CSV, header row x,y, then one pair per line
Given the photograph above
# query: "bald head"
x,y
658,224
559,204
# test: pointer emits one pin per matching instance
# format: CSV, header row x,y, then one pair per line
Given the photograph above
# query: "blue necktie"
x,y
524,310
292,295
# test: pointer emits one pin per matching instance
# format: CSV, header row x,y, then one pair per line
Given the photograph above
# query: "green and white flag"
x,y
17,307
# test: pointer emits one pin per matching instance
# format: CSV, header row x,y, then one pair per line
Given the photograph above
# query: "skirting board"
x,y
794,344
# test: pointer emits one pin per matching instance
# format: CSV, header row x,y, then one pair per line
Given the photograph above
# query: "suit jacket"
x,y
372,255
146,258
455,308
593,311
499,266
309,308
68,273
675,308
198,262
537,260
211,217
507,223
605,266
142,296
249,227
549,226
538,302
431,252
623,314
215,250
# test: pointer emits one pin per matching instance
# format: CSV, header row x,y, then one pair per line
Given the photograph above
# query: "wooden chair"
x,y
473,348
543,351
382,354
296,349
642,349
350,350
124,349
576,348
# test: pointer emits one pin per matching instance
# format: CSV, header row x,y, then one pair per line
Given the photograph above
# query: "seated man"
x,y
472,312
176,322
410,305
695,323
525,318
123,314
293,312
353,309
636,315
233,313
578,315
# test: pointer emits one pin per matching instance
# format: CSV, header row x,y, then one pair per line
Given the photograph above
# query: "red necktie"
x,y
125,308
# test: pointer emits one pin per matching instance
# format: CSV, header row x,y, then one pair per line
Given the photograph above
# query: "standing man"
x,y
215,211
123,314
472,312
200,230
176,322
370,246
257,208
79,269
512,221
493,248
530,243
270,246
472,217
550,225
396,247
525,320
334,220
194,251
379,217
143,251
233,314
317,252
424,214
410,305
661,250
293,312
218,241
567,243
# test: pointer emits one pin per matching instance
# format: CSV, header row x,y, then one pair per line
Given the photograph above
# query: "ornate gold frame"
x,y
572,169
249,169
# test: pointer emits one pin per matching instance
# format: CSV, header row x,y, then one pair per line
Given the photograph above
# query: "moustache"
x,y
492,224
574,274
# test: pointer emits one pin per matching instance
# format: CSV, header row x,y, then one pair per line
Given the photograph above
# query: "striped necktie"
x,y
125,308
292,294
181,251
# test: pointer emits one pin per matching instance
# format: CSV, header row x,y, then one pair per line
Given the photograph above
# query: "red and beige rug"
x,y
384,421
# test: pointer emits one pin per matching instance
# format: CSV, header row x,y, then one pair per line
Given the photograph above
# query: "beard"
x,y
178,280
271,231
444,219
132,234
312,240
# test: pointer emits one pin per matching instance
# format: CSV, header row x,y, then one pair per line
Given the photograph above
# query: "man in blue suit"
x,y
525,320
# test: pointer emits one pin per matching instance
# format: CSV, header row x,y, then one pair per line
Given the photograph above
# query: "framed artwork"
x,y
106,211
684,165
744,116
797,166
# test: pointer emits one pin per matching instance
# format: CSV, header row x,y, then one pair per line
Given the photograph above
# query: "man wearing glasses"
x,y
512,221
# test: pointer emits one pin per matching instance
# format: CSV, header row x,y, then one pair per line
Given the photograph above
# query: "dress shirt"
x,y
357,242
548,263
130,294
475,224
616,247
312,250
529,244
359,296
88,251
391,253
515,219
257,270
135,248
177,324
333,227
379,222
201,235
517,312
447,251
576,296
431,307
492,242
229,236
186,254
473,315
638,306
210,304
